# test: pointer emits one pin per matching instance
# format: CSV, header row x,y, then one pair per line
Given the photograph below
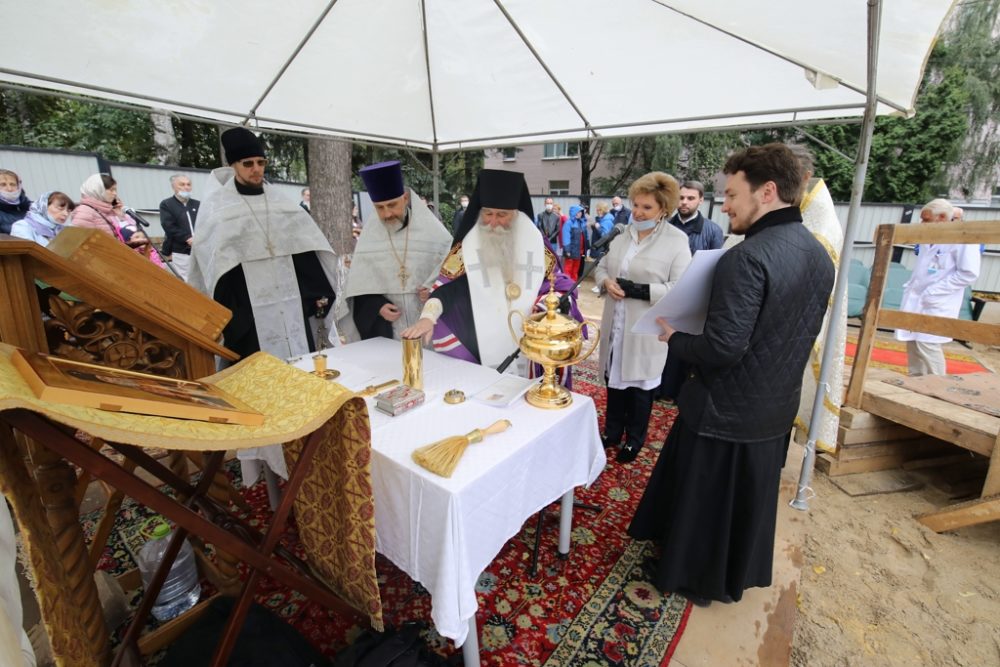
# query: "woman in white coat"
x,y
642,264
936,287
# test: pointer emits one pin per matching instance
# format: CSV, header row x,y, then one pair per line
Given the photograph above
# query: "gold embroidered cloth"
x,y
334,508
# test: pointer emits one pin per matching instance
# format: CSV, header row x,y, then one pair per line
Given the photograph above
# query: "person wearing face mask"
x,y
463,206
45,218
100,208
14,203
548,223
620,211
641,266
178,215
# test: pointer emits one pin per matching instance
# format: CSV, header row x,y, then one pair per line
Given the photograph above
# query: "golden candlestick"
x,y
553,341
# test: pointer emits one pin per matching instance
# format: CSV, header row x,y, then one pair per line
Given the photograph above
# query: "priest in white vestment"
x,y
261,255
395,261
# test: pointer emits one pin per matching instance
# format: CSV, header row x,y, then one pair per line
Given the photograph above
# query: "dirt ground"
x,y
878,588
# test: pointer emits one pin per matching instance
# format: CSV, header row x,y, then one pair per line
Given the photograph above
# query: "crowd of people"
x,y
738,385
98,207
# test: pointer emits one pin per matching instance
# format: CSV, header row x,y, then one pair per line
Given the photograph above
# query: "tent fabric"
x,y
459,74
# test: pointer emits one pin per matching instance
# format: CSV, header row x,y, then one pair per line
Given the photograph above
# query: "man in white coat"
x,y
936,287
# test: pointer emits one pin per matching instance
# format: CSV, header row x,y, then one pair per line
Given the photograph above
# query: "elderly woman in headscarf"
x,y
100,208
14,202
45,218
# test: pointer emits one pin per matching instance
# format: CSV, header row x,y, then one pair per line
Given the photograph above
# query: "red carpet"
x,y
592,609
891,354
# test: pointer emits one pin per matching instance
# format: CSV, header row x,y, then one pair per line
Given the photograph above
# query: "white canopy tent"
x,y
443,75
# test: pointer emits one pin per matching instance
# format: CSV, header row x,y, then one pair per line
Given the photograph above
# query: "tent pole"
x,y
823,388
436,166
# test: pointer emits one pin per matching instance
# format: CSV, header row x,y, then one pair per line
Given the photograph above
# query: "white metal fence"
x,y
144,186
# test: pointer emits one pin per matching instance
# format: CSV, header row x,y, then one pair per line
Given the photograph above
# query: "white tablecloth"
x,y
445,532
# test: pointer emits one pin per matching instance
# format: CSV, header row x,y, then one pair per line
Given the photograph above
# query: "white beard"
x,y
497,250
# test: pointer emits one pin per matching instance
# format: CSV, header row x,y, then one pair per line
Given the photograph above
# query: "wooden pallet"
x,y
869,443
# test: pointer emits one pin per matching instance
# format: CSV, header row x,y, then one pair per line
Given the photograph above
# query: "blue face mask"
x,y
643,225
183,194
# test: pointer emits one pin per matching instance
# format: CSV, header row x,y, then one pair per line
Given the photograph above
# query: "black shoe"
x,y
696,600
610,442
628,453
648,567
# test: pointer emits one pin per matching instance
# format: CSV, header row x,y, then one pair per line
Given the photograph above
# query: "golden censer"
x,y
552,340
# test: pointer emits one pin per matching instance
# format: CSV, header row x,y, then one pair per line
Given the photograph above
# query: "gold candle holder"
x,y
320,369
413,363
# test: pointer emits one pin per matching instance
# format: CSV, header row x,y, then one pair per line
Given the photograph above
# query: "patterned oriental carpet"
x,y
594,609
891,354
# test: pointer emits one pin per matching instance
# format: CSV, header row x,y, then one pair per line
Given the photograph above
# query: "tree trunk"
x,y
330,186
590,156
166,146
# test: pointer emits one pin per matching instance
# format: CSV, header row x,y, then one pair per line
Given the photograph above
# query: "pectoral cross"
x,y
403,275
530,268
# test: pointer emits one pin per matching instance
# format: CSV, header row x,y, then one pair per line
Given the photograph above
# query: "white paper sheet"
x,y
686,305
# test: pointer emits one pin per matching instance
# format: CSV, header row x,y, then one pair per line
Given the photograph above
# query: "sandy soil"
x,y
878,588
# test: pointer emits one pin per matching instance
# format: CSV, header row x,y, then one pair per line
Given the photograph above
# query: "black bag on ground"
x,y
264,641
393,648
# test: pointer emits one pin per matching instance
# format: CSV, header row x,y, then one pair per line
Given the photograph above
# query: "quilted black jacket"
x,y
768,298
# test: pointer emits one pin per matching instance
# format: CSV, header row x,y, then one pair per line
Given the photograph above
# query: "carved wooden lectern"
x,y
86,297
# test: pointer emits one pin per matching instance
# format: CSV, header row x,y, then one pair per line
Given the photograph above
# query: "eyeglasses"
x,y
259,162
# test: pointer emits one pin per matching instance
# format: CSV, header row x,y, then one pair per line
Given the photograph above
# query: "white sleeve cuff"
x,y
432,310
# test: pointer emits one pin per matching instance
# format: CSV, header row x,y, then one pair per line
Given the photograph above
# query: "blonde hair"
x,y
602,209
663,188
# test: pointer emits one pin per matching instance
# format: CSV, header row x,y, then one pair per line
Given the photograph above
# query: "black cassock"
x,y
240,335
367,319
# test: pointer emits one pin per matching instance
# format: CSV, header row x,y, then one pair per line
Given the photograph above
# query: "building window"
x,y
562,149
509,154
558,188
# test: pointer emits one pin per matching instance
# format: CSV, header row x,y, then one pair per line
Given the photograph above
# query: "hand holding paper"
x,y
686,305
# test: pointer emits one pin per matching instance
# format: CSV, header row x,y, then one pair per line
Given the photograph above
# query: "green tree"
x,y
972,46
48,122
909,156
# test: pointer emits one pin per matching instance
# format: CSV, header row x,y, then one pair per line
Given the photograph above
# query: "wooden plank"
x,y
967,330
924,446
971,513
980,231
833,467
888,431
967,428
992,485
857,418
870,316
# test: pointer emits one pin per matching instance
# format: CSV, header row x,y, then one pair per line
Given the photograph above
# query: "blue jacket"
x,y
574,234
703,234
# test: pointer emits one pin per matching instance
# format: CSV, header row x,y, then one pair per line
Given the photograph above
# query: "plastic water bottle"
x,y
181,589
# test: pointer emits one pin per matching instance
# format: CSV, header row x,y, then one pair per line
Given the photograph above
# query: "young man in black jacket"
x,y
712,497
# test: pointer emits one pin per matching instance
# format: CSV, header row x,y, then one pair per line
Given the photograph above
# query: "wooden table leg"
x,y
66,590
56,482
